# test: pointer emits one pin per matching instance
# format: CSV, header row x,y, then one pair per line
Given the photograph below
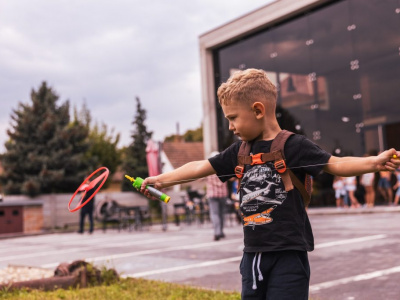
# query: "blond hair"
x,y
247,86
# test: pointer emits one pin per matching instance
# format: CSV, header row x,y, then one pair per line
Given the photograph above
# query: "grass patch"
x,y
128,289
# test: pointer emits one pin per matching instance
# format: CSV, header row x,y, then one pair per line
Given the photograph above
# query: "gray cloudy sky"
x,y
106,53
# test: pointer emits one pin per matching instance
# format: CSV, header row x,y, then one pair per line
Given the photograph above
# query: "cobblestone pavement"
x,y
357,254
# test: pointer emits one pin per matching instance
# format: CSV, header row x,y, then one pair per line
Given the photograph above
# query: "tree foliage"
x,y
45,151
190,135
103,147
103,144
134,158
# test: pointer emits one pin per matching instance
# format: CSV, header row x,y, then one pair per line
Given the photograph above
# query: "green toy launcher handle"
x,y
137,183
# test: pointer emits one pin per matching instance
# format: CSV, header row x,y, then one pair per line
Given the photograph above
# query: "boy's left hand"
x,y
388,160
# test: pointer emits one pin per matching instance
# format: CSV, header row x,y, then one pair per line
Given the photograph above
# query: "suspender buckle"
x,y
239,170
256,159
280,166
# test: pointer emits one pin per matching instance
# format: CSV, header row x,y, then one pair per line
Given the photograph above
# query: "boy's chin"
x,y
240,138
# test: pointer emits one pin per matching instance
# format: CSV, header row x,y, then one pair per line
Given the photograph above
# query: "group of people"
x,y
350,190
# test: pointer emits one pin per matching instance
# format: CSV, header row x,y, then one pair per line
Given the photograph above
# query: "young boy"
x,y
275,262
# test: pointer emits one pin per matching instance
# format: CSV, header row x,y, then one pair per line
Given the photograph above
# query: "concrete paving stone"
x,y
357,253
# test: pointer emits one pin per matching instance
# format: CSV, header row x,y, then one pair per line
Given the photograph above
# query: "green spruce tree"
x,y
134,160
45,152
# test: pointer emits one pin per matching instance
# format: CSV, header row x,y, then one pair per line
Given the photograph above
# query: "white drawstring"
x,y
260,277
254,273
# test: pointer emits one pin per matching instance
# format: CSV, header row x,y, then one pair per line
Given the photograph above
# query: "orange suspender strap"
x,y
278,144
243,155
276,154
297,183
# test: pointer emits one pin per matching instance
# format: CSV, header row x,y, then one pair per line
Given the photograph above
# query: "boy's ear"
x,y
259,109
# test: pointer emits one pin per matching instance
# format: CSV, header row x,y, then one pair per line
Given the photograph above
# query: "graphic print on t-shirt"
x,y
261,185
259,219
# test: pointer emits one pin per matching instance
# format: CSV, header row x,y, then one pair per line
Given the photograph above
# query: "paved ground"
x,y
357,254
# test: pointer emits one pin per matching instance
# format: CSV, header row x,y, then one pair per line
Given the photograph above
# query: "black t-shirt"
x,y
273,219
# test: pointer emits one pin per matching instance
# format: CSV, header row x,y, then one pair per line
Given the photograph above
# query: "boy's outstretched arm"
x,y
188,172
354,166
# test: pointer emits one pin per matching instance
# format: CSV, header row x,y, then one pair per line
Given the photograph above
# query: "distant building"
x,y
336,65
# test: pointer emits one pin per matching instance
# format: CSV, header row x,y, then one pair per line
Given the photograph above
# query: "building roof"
x,y
256,20
180,153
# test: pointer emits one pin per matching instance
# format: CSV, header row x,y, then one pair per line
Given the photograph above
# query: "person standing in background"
x,y
351,186
396,188
385,187
87,210
367,180
217,194
340,191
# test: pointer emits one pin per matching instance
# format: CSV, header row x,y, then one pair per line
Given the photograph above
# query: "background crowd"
x,y
365,190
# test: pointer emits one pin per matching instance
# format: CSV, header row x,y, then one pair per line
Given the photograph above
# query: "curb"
x,y
352,211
